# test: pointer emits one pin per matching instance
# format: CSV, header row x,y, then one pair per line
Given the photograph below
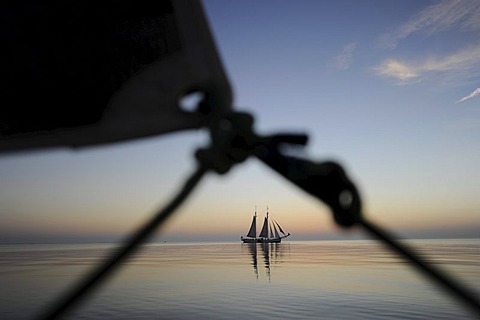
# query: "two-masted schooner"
x,y
271,231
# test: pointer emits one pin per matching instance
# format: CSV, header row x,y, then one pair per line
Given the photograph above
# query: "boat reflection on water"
x,y
271,255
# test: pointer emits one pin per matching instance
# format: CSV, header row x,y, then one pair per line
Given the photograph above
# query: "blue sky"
x,y
391,89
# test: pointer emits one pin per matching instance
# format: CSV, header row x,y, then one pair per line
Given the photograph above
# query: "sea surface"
x,y
291,280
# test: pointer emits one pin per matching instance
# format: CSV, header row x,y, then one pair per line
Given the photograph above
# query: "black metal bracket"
x,y
233,140
326,181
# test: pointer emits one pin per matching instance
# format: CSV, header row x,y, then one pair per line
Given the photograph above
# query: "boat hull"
x,y
261,240
249,240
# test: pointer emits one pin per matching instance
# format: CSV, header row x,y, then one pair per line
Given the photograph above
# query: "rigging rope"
x,y
428,269
115,260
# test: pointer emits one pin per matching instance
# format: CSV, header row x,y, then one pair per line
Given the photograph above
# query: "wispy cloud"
x,y
344,59
399,70
470,96
462,64
444,15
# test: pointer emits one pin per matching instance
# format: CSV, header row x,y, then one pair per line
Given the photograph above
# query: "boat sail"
x,y
271,231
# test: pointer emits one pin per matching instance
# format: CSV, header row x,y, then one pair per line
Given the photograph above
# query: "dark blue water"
x,y
291,280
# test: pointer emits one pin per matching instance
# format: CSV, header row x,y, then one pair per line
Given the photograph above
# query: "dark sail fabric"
x,y
78,73
264,232
279,227
276,231
252,233
62,63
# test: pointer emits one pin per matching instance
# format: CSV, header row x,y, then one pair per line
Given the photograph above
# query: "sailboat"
x,y
268,234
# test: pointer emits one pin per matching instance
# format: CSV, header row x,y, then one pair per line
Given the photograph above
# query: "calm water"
x,y
291,280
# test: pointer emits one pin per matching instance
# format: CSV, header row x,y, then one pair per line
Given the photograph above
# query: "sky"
x,y
389,89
